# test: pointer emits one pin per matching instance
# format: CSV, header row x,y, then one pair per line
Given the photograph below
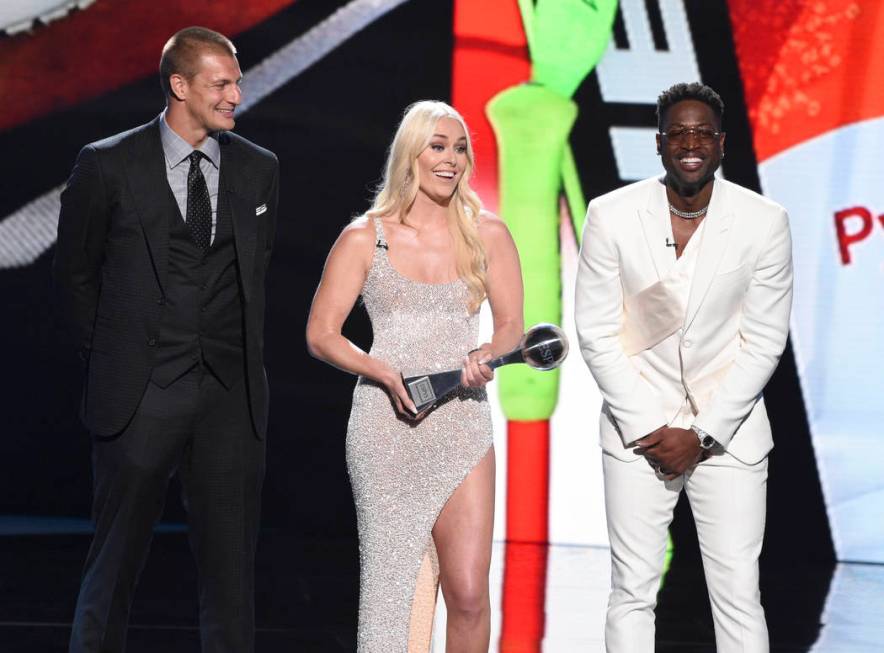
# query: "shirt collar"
x,y
176,149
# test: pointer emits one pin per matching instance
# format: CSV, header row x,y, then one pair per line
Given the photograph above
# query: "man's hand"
x,y
671,451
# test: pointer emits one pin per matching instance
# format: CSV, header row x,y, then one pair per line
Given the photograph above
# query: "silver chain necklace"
x,y
689,215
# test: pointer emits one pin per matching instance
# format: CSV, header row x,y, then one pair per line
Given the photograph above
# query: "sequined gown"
x,y
403,472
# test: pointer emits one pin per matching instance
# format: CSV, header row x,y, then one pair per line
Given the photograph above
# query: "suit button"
x,y
202,309
686,343
152,342
161,301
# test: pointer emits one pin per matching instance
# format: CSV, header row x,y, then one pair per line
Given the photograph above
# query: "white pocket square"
x,y
261,209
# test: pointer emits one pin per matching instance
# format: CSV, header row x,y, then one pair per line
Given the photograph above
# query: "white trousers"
x,y
728,500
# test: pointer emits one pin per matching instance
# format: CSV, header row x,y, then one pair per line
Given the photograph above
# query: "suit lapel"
x,y
146,174
717,234
234,205
654,218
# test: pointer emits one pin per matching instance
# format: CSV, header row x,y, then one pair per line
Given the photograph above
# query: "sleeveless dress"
x,y
402,472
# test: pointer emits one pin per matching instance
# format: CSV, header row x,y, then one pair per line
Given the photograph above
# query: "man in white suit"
x,y
684,290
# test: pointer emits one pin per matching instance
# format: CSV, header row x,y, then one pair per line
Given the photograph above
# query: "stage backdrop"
x,y
560,97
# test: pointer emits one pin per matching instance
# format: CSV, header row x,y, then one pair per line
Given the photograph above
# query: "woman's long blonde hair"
x,y
400,185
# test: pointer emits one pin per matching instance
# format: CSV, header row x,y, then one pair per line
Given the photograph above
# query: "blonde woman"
x,y
424,257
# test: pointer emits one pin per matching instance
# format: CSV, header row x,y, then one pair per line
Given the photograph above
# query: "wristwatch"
x,y
706,440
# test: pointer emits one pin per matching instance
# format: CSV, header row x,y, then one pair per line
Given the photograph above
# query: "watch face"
x,y
707,442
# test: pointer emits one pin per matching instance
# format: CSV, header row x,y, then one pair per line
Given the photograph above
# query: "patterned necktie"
x,y
199,207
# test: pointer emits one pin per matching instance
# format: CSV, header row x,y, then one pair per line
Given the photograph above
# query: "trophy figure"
x,y
543,347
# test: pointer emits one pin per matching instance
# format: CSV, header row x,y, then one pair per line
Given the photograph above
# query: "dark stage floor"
x,y
308,592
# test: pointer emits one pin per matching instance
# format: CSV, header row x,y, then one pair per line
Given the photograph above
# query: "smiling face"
x,y
443,162
689,162
209,99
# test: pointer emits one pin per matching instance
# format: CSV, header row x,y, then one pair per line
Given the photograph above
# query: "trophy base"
x,y
426,389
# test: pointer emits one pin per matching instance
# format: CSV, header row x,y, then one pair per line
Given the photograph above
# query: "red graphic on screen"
x,y
107,45
799,60
490,54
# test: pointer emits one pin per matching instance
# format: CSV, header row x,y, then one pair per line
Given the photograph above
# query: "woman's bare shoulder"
x,y
360,233
491,227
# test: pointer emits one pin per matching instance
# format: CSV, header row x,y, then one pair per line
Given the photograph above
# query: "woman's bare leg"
x,y
463,541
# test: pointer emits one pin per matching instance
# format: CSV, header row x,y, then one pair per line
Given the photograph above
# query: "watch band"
x,y
706,440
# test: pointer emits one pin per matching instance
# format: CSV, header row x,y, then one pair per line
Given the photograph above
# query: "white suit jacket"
x,y
735,326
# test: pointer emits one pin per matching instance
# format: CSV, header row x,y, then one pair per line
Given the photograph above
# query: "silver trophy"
x,y
543,347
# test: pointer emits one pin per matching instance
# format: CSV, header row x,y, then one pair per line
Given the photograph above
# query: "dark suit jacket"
x,y
111,259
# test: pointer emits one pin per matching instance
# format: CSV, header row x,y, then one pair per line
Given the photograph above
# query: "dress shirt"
x,y
176,151
679,282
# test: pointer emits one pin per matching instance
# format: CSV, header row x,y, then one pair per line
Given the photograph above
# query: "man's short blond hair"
x,y
182,52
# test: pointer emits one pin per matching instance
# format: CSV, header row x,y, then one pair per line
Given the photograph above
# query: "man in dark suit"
x,y
163,241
